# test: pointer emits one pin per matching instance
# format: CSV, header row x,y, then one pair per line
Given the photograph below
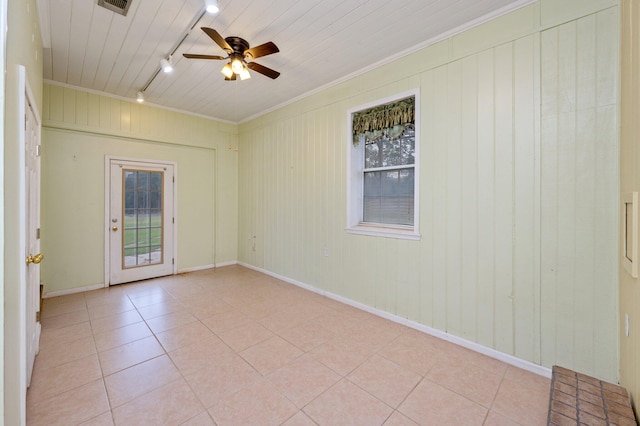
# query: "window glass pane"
x,y
384,152
143,220
155,200
155,182
388,197
143,181
130,258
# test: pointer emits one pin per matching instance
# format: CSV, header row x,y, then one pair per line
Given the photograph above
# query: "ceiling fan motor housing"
x,y
239,45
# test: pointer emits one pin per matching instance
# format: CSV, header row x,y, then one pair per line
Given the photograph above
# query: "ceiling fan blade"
x,y
192,56
263,70
262,50
220,41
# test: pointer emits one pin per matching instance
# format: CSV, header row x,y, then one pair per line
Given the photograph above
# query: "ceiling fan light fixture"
x,y
244,74
236,65
140,97
166,65
227,71
212,6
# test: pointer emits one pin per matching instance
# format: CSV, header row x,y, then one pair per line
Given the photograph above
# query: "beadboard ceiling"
x,y
321,42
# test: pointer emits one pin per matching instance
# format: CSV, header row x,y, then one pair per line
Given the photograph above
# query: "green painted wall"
x,y
80,129
518,188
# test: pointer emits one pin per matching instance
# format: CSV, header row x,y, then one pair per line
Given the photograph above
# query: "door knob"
x,y
115,228
34,259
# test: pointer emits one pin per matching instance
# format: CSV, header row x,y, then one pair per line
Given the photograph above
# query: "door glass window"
x,y
143,218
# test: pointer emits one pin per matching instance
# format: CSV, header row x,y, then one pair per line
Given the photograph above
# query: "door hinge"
x,y
38,233
38,150
173,178
173,261
173,220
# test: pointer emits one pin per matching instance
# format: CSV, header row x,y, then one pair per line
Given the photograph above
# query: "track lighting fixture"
x,y
166,65
140,97
212,6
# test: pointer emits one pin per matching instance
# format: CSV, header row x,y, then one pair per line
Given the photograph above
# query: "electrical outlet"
x,y
325,252
626,325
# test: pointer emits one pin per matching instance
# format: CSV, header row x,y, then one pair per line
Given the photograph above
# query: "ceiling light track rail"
x,y
194,22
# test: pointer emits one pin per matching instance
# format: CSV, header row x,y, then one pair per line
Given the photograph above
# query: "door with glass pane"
x,y
141,221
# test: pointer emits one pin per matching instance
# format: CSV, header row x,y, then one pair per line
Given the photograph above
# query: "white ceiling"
x,y
320,42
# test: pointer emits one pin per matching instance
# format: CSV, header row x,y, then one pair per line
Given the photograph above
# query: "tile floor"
x,y
231,346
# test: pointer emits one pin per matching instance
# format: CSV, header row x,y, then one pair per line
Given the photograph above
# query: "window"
x,y
383,172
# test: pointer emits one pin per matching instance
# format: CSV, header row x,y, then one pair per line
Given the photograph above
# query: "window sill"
x,y
384,231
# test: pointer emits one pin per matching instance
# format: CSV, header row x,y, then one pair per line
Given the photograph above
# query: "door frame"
x,y
107,211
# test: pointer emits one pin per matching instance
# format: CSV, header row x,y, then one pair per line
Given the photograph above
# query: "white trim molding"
x,y
492,353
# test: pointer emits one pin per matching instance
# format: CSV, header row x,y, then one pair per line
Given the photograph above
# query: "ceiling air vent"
x,y
117,6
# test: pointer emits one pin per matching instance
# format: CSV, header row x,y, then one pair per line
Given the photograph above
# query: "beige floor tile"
x,y
159,309
225,321
271,354
125,356
340,356
497,419
432,404
152,298
46,383
132,382
303,380
203,419
196,357
105,419
521,402
399,419
105,296
100,325
53,336
169,321
476,359
534,381
65,320
418,358
72,407
259,403
120,336
385,380
183,335
317,342
59,306
466,379
308,335
345,403
172,404
53,355
109,309
245,336
222,379
299,419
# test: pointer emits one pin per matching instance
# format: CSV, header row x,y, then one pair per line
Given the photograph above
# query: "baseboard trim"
x,y
74,290
500,356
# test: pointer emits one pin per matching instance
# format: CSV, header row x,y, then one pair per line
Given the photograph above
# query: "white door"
x,y
141,220
32,233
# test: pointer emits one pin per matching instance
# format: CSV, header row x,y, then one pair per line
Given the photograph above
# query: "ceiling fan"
x,y
239,55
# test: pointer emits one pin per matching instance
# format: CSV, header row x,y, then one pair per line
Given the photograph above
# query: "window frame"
x,y
356,171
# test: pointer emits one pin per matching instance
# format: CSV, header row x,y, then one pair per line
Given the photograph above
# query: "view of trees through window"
x,y
142,218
